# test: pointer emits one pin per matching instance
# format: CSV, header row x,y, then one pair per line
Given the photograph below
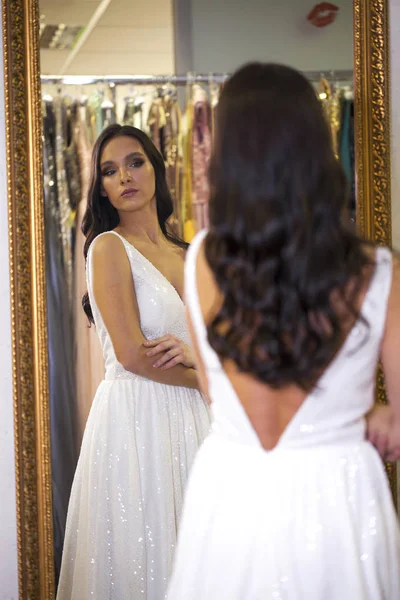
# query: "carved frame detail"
x,y
20,21
372,138
26,227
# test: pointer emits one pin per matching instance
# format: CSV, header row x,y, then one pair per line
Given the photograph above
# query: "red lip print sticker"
x,y
323,14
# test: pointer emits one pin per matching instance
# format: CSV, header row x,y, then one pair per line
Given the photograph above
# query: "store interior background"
x,y
160,37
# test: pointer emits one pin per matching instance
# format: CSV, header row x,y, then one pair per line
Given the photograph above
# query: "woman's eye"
x,y
137,163
108,173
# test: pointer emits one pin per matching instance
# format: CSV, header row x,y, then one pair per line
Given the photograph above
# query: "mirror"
x,y
89,81
92,63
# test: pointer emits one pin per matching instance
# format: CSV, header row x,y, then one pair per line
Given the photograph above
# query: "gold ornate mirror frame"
x,y
27,260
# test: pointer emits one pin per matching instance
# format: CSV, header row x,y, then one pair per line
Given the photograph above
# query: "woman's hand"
x,y
393,453
383,431
174,352
379,424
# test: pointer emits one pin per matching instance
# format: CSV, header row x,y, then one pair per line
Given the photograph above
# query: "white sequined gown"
x,y
312,519
139,444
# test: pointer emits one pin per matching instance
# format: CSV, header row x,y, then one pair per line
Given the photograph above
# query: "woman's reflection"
x,y
148,417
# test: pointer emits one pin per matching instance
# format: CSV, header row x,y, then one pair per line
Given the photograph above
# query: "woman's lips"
x,y
323,14
129,192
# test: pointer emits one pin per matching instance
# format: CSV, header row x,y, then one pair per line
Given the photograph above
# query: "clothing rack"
x,y
332,75
138,80
341,75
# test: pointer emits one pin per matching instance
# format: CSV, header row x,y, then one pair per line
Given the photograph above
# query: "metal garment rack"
x,y
332,75
135,79
190,78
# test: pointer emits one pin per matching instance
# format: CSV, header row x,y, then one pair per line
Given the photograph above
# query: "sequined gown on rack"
x,y
140,441
313,519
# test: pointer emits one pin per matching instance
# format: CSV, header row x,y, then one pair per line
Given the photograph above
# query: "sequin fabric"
x,y
312,519
201,139
140,441
66,212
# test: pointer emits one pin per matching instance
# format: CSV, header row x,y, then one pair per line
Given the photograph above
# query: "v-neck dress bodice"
x,y
161,308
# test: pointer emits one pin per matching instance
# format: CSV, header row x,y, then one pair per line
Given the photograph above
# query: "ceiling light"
x,y
77,80
55,36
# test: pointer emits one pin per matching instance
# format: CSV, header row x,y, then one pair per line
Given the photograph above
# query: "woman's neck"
x,y
142,225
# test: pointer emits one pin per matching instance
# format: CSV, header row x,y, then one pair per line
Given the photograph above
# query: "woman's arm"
x,y
390,354
116,300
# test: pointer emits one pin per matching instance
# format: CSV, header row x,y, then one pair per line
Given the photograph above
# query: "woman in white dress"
x,y
290,312
148,417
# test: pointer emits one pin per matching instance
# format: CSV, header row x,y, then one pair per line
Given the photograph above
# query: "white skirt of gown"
x,y
306,524
139,444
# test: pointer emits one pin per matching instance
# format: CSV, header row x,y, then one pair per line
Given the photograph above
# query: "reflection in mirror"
x,y
111,61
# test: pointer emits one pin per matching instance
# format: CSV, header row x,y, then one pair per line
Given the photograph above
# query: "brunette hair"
x,y
279,244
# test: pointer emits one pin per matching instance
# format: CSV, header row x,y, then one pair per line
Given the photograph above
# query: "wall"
x,y
8,535
227,34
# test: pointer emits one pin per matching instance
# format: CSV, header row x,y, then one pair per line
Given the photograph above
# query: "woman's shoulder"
x,y
107,246
395,259
382,276
381,259
106,239
393,301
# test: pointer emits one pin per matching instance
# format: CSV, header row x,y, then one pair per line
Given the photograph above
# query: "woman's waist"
x,y
328,442
298,434
329,460
118,373
138,384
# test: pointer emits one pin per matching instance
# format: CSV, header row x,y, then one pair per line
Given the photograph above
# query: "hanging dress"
x,y
187,174
201,140
72,165
67,217
156,122
89,364
62,393
172,158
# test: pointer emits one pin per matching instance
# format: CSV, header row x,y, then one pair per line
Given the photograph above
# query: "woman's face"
x,y
127,175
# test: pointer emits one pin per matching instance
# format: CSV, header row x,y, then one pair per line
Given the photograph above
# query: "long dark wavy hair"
x,y
101,216
280,244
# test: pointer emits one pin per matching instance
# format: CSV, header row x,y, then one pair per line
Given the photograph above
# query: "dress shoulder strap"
x,y
191,292
377,298
193,303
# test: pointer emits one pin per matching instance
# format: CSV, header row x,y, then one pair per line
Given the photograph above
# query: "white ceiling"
x,y
130,38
